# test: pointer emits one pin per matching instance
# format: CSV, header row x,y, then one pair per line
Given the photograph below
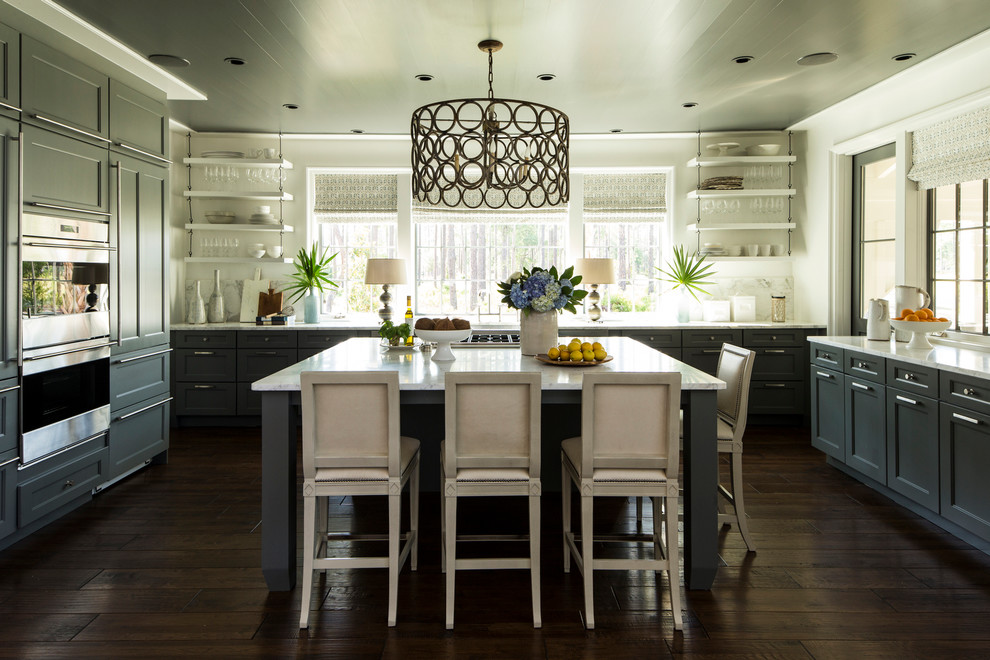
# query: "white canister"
x,y
743,309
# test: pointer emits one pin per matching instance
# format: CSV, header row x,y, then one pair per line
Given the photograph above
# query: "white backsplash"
x,y
723,288
232,293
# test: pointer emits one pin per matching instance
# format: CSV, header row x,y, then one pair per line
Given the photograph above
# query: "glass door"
x,y
873,246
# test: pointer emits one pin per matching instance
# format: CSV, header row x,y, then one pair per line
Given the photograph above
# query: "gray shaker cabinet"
x,y
912,432
65,173
827,412
138,124
10,70
866,427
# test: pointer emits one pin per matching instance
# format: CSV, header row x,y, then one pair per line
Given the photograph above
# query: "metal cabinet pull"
x,y
69,483
204,353
142,152
906,400
965,418
908,376
120,216
774,385
68,208
774,350
827,356
860,386
824,374
7,106
145,409
204,387
266,352
74,350
969,391
143,357
10,389
9,461
71,128
773,337
711,350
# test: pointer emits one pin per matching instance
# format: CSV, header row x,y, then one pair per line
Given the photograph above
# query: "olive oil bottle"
x,y
409,320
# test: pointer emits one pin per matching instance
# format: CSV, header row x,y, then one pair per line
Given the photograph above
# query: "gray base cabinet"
x,y
912,433
8,493
137,434
964,453
828,431
866,427
53,482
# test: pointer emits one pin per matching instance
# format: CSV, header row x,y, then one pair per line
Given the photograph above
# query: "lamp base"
x,y
385,313
594,311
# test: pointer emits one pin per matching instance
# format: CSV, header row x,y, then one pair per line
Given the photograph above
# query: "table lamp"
x,y
385,272
595,272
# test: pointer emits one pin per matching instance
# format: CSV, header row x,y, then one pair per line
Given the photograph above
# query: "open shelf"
x,y
264,163
237,260
237,226
764,259
742,192
729,161
739,226
274,196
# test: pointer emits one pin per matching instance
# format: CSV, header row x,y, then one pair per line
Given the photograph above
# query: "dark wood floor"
x,y
166,564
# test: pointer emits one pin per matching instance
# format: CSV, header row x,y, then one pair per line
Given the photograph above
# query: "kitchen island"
x,y
421,391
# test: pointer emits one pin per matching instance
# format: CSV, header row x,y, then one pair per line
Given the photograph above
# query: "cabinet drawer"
x,y
8,493
774,337
777,398
205,399
715,337
137,434
135,378
205,365
9,393
255,363
53,482
964,454
656,338
323,340
57,87
65,172
138,121
826,356
261,339
913,378
779,363
204,339
705,359
965,391
861,365
248,401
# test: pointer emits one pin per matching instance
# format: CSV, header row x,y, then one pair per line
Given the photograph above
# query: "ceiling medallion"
x,y
490,152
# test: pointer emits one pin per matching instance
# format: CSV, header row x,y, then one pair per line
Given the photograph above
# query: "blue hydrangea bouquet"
x,y
542,290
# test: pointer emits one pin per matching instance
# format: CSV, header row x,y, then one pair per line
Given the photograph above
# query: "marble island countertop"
x,y
509,323
947,355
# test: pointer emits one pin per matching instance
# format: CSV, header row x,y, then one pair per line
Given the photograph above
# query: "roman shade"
x,y
355,197
625,197
952,151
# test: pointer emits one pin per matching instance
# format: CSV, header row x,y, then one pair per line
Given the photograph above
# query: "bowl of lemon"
x,y
577,353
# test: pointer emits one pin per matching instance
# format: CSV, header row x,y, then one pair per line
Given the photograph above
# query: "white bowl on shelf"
x,y
763,150
257,254
220,217
442,339
921,330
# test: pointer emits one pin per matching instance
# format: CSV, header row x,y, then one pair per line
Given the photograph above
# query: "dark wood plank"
x,y
184,626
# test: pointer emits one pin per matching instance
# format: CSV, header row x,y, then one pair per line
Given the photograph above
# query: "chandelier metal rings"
x,y
496,153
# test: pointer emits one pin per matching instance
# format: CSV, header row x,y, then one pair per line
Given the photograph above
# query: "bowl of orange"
x,y
921,323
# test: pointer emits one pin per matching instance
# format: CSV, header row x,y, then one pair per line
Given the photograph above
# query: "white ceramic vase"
x,y
537,332
197,310
214,311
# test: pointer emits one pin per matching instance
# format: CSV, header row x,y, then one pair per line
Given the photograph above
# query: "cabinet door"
x,y
8,493
63,94
137,378
964,454
9,412
255,363
205,366
138,123
912,447
139,193
779,363
138,434
827,405
9,150
705,359
866,424
56,481
10,69
65,173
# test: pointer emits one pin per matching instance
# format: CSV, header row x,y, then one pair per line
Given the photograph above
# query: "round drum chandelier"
x,y
494,153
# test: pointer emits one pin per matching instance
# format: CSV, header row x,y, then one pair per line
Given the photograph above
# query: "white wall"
x,y
948,84
367,151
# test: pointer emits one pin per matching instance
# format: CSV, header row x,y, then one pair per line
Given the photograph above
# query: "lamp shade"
x,y
385,271
595,271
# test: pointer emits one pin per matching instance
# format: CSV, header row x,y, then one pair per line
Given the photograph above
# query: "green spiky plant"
x,y
312,272
688,271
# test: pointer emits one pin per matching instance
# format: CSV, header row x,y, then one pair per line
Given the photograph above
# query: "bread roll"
x,y
444,324
462,324
424,324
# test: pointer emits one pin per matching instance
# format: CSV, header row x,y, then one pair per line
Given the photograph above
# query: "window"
x,y
957,216
874,208
355,216
461,255
625,219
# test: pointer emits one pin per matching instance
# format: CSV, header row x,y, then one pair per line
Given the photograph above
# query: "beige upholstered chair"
x,y
492,448
735,367
628,447
351,446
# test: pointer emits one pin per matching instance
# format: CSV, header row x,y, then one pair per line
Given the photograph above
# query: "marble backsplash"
x,y
232,290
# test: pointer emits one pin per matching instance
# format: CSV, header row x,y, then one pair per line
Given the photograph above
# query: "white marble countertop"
x,y
949,356
418,371
567,322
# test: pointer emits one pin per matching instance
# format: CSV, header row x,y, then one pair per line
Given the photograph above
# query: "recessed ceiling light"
x,y
615,130
815,59
162,59
290,106
423,77
903,57
689,104
743,59
358,131
546,76
235,61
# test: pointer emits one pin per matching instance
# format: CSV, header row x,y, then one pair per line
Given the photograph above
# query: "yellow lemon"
x,y
574,339
553,353
589,355
586,346
597,346
576,356
600,354
561,348
573,347
565,354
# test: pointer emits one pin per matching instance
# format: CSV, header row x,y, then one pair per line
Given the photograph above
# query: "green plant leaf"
x,y
687,270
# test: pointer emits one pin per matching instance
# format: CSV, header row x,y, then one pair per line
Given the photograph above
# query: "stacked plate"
x,y
263,219
712,249
723,183
222,154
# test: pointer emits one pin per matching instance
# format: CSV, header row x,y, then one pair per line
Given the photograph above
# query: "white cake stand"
x,y
920,330
442,339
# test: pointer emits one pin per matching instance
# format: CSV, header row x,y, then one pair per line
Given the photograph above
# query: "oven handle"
x,y
68,208
104,248
120,339
74,350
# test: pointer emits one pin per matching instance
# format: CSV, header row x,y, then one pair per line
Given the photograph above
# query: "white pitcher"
x,y
908,297
878,320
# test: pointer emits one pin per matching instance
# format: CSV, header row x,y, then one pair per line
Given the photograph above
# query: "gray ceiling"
x,y
626,64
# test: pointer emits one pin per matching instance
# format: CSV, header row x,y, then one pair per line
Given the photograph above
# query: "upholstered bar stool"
x,y
351,446
628,447
491,448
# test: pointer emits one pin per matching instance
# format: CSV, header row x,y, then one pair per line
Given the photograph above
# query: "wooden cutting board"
x,y
269,303
249,297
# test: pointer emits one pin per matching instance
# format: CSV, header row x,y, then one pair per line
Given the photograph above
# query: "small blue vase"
x,y
311,307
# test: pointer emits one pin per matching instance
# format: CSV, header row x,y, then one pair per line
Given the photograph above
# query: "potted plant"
x,y
540,294
395,335
688,271
311,280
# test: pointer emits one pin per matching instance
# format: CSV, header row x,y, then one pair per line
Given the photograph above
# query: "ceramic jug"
x,y
908,297
878,320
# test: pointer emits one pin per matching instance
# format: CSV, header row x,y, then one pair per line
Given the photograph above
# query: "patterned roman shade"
x,y
952,151
356,197
625,197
